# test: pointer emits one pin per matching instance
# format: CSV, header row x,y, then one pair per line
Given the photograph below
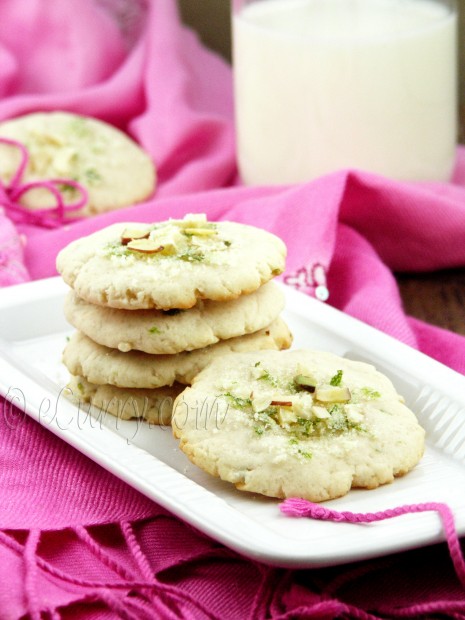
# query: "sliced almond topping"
x,y
260,403
302,405
354,413
320,412
285,416
146,246
305,382
130,234
242,391
332,394
201,232
281,403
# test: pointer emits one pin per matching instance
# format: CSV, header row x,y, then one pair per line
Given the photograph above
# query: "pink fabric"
x,y
75,542
12,268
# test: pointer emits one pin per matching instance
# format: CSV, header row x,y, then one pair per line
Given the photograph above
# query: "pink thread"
x,y
435,607
128,584
296,507
115,604
259,603
145,568
324,608
136,551
48,218
30,582
149,610
100,554
152,583
59,574
284,583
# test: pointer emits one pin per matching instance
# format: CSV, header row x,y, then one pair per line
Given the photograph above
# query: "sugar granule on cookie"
x,y
171,264
302,423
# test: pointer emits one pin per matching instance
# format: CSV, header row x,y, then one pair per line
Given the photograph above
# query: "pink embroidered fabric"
x,y
75,542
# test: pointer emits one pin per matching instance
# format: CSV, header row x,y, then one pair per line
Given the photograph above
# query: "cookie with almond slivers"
x,y
171,264
298,423
108,163
136,369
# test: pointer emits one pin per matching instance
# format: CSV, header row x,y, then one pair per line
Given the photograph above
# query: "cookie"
x,y
153,406
135,369
297,423
172,264
115,170
173,331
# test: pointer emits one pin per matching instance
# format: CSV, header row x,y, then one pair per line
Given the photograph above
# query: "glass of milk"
x,y
323,85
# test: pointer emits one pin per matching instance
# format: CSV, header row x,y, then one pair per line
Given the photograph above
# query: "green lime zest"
x,y
337,379
190,256
236,401
370,393
266,376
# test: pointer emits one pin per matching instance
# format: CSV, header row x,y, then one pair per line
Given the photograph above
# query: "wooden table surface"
x,y
437,298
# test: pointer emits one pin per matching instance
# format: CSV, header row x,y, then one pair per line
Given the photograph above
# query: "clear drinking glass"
x,y
322,85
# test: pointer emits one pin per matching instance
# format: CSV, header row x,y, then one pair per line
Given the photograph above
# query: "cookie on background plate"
x,y
173,331
297,423
136,369
170,264
112,167
153,406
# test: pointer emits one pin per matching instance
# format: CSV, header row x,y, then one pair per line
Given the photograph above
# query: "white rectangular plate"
x,y
33,333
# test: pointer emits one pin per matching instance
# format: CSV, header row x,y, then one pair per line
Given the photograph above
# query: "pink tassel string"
x,y
53,217
296,507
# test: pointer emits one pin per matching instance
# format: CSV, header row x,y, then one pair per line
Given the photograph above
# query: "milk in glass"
x,y
322,85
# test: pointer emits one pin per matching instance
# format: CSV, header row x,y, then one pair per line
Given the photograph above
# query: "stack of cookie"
x,y
154,304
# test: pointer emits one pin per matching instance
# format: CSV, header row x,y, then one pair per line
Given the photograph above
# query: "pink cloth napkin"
x,y
75,542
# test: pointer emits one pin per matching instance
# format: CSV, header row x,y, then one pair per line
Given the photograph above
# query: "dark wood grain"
x,y
437,298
